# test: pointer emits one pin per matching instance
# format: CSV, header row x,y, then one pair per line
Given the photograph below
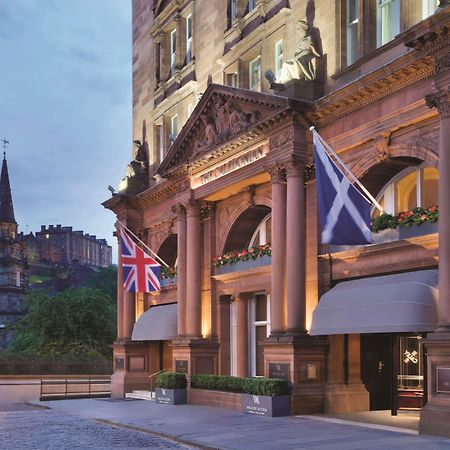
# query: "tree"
x,y
105,279
75,323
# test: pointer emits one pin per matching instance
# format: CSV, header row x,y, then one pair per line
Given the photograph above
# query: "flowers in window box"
x,y
168,272
243,255
416,216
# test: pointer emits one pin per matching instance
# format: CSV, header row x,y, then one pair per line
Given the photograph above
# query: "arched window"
x,y
411,188
263,232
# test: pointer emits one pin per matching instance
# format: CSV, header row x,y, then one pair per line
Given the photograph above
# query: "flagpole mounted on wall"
x,y
370,198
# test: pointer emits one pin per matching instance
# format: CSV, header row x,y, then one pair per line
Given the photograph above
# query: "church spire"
x,y
6,204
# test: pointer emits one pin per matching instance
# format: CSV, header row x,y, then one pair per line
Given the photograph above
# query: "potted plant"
x,y
266,397
171,388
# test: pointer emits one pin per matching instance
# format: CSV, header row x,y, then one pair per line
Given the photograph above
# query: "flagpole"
x,y
143,244
349,172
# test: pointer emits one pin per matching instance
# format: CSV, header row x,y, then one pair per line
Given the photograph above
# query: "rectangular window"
x,y
251,5
254,74
233,11
388,20
429,7
188,38
160,137
173,128
259,318
278,58
173,50
352,31
231,79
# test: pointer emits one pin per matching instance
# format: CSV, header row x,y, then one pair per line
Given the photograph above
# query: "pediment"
x,y
223,116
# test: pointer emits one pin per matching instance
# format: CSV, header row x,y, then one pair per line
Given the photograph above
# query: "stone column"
x,y
442,102
241,335
129,313
181,270
277,298
120,294
193,286
295,249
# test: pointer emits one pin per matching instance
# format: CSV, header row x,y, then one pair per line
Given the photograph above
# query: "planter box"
x,y
168,281
171,396
238,266
219,399
261,405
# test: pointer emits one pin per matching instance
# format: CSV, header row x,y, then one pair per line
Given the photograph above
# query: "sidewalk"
x,y
208,427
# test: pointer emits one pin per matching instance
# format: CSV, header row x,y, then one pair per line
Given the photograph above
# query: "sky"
x,y
65,107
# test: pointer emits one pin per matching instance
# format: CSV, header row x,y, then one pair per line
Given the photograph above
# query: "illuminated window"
x,y
254,74
410,189
388,20
429,7
352,31
173,128
259,318
278,58
173,50
263,233
188,38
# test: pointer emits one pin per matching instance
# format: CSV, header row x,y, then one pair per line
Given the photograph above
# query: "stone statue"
x,y
303,65
139,164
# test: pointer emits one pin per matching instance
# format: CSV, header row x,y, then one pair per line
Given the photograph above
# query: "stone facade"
x,y
229,149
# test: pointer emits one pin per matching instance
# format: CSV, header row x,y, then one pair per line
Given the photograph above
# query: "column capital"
x,y
192,208
440,101
180,211
278,173
294,168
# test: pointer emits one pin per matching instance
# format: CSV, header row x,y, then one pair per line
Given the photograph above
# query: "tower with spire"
x,y
12,262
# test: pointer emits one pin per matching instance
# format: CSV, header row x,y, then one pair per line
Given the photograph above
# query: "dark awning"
x,y
404,302
158,323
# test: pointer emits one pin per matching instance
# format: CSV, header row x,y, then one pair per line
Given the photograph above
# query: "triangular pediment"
x,y
224,115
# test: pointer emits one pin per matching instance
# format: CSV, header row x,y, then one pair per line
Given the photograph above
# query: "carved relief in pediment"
x,y
220,121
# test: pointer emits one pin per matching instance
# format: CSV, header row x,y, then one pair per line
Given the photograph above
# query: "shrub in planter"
x,y
171,388
266,386
217,383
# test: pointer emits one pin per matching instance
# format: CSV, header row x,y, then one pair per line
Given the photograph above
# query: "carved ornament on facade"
x,y
294,168
282,139
440,101
180,211
442,62
249,193
224,120
278,173
381,143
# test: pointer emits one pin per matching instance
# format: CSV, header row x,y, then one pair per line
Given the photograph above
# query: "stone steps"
x,y
142,395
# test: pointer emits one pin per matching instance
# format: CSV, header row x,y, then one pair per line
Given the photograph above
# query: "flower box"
x,y
171,396
389,235
238,266
165,282
262,405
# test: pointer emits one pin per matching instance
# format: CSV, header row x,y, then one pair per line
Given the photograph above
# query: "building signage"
x,y
120,363
443,380
225,167
181,365
277,370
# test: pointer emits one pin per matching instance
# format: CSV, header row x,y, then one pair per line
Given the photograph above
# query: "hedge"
x,y
254,386
171,380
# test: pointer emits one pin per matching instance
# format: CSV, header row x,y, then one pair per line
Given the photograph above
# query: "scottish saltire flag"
x,y
344,211
141,273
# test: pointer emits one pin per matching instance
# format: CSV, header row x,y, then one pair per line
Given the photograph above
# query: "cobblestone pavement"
x,y
44,429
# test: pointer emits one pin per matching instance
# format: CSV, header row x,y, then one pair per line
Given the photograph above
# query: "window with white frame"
x,y
263,232
254,74
259,320
173,50
278,58
173,128
429,7
352,31
411,188
188,38
160,141
388,20
251,5
231,79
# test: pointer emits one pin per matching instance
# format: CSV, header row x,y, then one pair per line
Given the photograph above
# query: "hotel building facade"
x,y
222,169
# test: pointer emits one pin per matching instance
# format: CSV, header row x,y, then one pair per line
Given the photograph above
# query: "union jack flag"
x,y
141,273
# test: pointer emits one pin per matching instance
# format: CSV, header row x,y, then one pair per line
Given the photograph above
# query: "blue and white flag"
x,y
344,211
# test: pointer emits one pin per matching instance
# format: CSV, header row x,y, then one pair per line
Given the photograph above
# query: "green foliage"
x,y
105,279
417,216
171,380
266,386
243,255
78,323
255,386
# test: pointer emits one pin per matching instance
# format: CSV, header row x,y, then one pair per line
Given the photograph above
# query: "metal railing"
x,y
75,388
152,379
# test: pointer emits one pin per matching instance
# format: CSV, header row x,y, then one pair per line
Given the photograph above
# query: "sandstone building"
x,y
224,93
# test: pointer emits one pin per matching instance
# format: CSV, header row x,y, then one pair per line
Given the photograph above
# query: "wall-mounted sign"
x,y
181,365
443,380
277,370
120,363
230,165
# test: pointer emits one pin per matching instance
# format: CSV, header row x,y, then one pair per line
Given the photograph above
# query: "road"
x,y
24,427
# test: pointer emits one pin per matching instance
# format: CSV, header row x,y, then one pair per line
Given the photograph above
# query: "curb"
x,y
157,433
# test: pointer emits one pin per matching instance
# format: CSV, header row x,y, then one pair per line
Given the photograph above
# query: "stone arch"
x,y
241,226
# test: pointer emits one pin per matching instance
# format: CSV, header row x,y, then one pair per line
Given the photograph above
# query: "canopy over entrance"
x,y
404,302
158,323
